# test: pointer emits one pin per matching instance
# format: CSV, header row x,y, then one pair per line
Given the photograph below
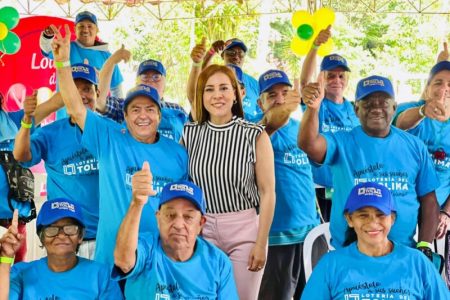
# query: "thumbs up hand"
x,y
199,51
142,184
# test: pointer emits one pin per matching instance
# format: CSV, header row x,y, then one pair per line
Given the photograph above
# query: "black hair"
x,y
350,236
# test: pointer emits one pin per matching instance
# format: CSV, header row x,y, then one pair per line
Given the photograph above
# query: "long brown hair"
x,y
201,114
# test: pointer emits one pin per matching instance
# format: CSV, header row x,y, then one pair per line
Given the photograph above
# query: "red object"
x,y
28,69
439,154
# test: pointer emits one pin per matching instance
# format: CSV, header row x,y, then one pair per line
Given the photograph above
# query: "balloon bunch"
x,y
9,41
307,27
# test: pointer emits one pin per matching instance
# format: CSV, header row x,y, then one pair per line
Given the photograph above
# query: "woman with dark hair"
x,y
232,161
372,266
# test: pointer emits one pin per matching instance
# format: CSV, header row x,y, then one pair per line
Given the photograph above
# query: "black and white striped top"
x,y
222,162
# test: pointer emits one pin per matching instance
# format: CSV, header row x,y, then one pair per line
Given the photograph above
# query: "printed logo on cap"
x,y
182,188
151,63
63,206
272,75
141,88
336,57
82,69
372,82
370,191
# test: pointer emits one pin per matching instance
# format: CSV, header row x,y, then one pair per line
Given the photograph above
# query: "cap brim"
x,y
184,196
149,68
275,83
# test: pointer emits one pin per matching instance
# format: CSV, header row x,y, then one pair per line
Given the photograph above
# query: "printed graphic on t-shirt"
x,y
80,162
375,291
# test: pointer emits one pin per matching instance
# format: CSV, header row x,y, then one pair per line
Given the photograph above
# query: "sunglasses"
x,y
232,53
52,231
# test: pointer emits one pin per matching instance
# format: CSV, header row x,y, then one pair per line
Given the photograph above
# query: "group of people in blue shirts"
x,y
118,190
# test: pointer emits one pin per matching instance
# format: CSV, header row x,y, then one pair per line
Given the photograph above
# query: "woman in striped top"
x,y
232,161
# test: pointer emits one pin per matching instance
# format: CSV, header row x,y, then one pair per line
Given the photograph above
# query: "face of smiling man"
x,y
143,116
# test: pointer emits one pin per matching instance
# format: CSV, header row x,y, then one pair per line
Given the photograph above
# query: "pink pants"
x,y
235,233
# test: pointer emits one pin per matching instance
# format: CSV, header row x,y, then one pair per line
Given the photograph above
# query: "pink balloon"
x,y
15,97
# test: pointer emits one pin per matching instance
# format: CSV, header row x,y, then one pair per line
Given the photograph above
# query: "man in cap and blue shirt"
x,y
336,112
176,263
374,152
72,171
120,150
60,227
152,72
294,191
86,47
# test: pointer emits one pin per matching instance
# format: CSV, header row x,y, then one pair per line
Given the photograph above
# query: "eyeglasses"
x,y
153,77
52,231
232,53
439,154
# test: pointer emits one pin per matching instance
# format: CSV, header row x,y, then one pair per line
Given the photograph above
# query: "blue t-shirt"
x,y
294,189
8,145
72,172
399,161
436,136
403,274
87,280
207,275
252,112
119,156
333,117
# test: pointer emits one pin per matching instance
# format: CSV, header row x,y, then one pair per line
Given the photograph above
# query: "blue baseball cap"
x,y
57,209
186,190
142,90
237,71
440,66
151,64
233,43
269,78
370,194
85,15
86,72
333,61
373,84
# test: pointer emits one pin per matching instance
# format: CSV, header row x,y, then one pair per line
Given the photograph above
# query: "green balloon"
x,y
305,31
11,44
9,16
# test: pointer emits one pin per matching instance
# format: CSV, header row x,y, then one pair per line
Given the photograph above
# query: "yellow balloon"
x,y
301,17
3,31
323,17
326,48
301,47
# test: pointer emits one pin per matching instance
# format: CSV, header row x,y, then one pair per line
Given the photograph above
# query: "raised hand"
x,y
29,104
323,36
121,54
218,46
313,93
443,55
438,109
141,184
11,240
48,31
199,51
61,44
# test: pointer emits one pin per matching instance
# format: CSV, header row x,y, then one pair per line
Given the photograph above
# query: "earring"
x,y
235,101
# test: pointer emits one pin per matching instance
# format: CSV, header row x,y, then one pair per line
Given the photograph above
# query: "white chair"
x,y
313,235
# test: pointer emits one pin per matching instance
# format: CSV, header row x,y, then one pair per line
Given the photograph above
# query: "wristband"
x,y
62,64
197,64
422,111
445,213
6,260
314,46
423,244
211,51
26,125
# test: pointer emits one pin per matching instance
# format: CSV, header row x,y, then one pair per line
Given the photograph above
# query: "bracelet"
x,y
62,64
314,46
6,260
445,213
197,64
422,111
26,125
423,244
211,51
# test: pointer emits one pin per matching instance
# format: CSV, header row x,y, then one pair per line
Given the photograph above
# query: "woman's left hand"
x,y
257,258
